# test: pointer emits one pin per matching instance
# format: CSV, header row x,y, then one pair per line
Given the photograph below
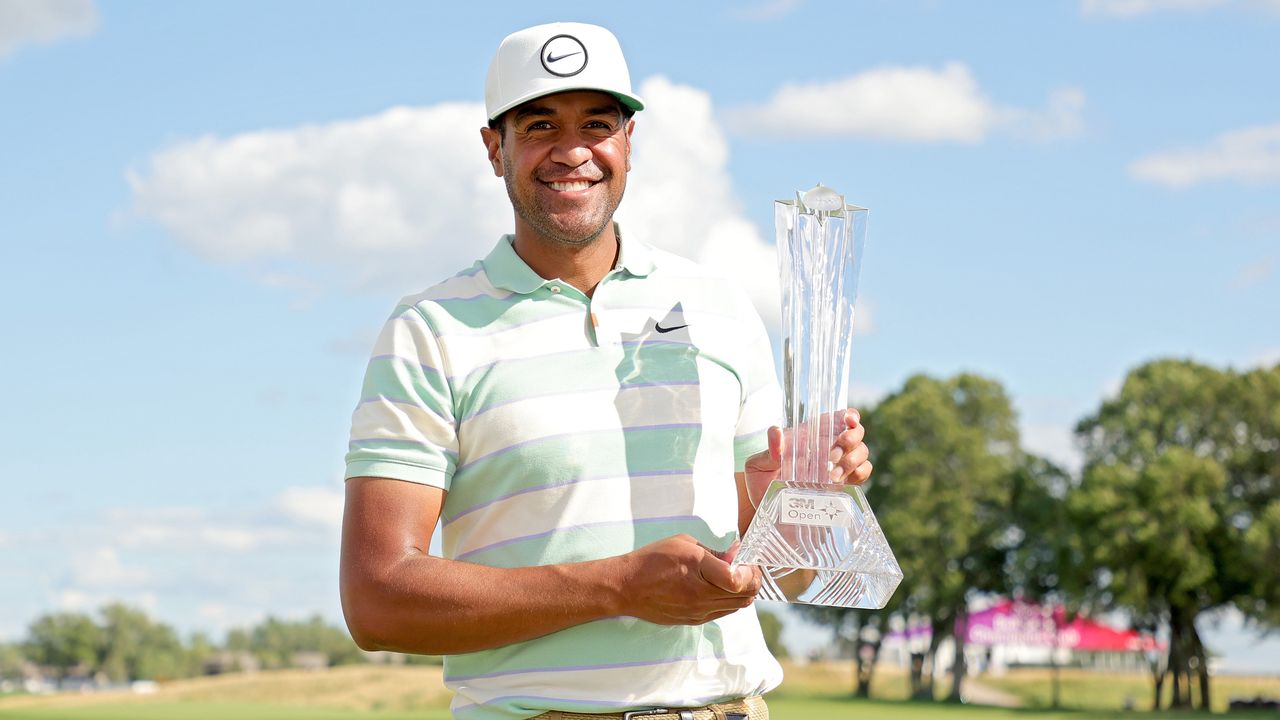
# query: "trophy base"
x,y
820,544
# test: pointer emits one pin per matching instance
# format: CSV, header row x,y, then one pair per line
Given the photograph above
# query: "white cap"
x,y
554,58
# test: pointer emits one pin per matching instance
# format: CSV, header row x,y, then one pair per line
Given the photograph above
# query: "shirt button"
x,y
555,289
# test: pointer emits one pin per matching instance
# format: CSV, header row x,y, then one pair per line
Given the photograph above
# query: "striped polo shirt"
x,y
565,429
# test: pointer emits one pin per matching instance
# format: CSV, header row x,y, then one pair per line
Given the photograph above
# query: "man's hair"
x,y
500,123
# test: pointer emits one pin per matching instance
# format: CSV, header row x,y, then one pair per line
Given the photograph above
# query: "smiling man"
x,y
584,416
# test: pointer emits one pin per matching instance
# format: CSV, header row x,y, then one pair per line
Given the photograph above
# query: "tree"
x,y
10,661
1045,558
63,641
771,627
862,631
274,641
945,452
1180,477
134,647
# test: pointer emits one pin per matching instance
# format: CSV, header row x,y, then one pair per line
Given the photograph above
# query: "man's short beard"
x,y
531,213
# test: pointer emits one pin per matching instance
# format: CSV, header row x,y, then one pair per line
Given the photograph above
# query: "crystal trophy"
x,y
817,541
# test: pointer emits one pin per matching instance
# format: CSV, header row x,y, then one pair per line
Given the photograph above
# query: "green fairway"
x,y
213,711
782,708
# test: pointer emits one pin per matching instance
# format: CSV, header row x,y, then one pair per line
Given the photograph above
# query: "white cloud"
x,y
406,197
1264,359
312,505
1134,8
28,22
916,104
1055,442
1252,275
101,568
1249,155
864,396
681,198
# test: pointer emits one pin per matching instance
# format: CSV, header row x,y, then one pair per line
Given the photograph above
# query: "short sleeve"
x,y
404,426
762,399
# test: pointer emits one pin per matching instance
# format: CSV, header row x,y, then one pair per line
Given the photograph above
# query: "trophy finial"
x,y
823,198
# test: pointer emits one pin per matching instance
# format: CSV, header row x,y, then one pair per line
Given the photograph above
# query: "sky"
x,y
208,209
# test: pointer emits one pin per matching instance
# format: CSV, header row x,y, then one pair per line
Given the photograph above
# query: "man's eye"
x,y
540,125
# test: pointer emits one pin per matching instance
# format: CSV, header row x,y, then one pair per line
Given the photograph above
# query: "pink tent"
x,y
1013,622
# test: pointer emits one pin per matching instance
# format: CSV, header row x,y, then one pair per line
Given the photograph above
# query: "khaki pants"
x,y
753,708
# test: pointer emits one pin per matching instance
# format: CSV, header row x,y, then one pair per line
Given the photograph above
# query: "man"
x,y
586,415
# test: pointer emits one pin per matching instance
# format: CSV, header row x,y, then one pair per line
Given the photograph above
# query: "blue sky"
x,y
209,209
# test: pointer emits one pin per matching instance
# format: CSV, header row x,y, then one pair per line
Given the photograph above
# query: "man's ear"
x,y
493,145
631,126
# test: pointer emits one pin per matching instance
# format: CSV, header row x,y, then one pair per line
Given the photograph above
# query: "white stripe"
x,y
402,421
468,351
747,669
615,499
595,410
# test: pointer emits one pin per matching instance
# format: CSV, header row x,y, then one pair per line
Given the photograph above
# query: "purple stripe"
x,y
544,438
671,383
548,486
567,528
623,386
579,668
628,343
703,700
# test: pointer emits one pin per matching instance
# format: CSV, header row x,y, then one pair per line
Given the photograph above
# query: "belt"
x,y
749,708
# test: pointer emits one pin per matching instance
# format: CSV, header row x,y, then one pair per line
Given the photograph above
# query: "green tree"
x,y
10,661
945,453
1045,556
1175,504
771,626
861,631
134,647
274,641
63,641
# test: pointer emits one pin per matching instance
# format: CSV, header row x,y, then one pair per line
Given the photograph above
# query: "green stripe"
x,y
403,380
562,459
603,642
580,544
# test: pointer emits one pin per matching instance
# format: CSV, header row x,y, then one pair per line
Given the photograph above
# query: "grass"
x,y
1096,691
813,692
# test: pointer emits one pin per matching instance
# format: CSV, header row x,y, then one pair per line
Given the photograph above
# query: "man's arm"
x,y
397,597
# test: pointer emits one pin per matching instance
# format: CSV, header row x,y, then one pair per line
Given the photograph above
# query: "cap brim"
x,y
633,102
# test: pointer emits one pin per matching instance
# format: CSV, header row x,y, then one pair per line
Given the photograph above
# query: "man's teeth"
x,y
570,186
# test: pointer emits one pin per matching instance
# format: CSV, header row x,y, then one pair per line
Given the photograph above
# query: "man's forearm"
x,y
433,606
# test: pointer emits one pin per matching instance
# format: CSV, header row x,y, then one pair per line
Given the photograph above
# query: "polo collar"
x,y
508,271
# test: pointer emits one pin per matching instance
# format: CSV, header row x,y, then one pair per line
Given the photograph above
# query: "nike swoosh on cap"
x,y
557,58
658,326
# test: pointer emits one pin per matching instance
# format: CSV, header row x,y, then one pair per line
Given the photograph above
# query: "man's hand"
x,y
848,456
679,581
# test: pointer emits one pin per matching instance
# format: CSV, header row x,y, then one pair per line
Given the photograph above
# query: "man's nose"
x,y
572,150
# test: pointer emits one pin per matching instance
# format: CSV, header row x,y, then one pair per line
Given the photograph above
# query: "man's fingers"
x,y
777,444
736,580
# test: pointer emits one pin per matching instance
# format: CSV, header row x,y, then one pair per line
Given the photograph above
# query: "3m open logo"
x,y
799,507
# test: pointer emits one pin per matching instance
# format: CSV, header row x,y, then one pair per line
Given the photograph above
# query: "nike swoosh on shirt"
x,y
659,328
557,58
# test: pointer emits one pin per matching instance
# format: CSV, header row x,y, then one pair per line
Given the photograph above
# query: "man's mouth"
x,y
570,186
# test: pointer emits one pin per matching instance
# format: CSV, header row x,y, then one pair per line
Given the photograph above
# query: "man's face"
x,y
564,159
